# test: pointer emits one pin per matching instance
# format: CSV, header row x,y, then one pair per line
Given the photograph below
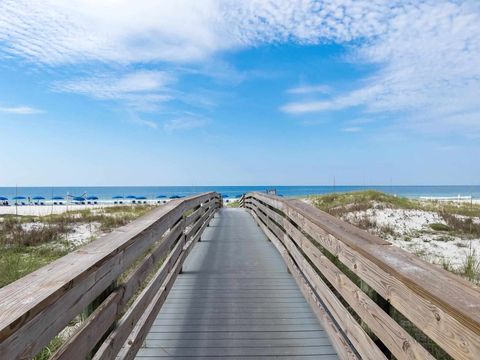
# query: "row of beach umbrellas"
x,y
81,198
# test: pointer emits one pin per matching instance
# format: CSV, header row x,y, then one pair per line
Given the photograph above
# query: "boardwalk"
x,y
235,299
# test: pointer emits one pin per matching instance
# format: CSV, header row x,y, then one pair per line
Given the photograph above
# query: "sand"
x,y
412,232
42,210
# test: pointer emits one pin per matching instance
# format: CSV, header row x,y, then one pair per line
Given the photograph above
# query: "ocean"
x,y
107,192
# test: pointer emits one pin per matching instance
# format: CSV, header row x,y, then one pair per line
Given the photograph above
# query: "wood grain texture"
x,y
442,305
398,341
234,299
35,308
342,346
356,335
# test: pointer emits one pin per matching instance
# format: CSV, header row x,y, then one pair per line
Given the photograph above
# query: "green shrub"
x,y
440,227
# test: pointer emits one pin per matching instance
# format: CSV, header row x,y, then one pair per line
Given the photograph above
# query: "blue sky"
x,y
239,92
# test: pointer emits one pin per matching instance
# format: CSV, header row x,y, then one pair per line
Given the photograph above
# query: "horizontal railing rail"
x,y
375,300
118,282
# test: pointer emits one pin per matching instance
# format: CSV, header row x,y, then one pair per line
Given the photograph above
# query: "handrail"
x,y
357,281
108,272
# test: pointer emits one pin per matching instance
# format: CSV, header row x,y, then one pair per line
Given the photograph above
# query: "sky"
x,y
250,92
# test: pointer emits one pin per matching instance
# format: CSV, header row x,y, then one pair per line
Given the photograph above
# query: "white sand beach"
x,y
43,210
411,231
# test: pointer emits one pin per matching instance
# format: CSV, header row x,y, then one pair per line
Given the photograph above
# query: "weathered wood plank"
x,y
426,295
360,339
139,333
398,341
140,330
341,345
127,322
38,306
88,335
140,273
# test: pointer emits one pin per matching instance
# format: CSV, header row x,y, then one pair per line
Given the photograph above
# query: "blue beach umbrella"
x,y
224,195
141,198
92,198
174,197
19,198
161,196
117,197
131,197
38,198
78,198
57,198
3,198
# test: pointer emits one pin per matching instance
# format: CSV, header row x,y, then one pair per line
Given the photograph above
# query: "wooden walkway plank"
x,y
235,299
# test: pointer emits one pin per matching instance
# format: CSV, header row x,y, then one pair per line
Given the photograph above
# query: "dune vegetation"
x,y
443,233
30,242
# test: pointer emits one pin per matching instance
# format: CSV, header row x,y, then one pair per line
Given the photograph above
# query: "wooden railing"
x,y
119,280
375,300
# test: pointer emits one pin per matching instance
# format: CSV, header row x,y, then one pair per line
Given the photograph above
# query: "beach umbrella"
x,y
92,198
38,198
19,198
161,196
141,198
224,195
174,197
3,198
57,198
239,196
117,197
78,198
131,197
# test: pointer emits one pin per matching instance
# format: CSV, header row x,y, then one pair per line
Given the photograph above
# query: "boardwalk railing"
x,y
374,299
119,281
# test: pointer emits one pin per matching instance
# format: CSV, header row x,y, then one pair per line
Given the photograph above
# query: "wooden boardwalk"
x,y
235,299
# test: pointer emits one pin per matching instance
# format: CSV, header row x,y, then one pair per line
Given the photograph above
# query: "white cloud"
x,y
58,32
426,51
185,122
143,90
352,129
308,89
20,110
428,76
75,31
355,98
148,123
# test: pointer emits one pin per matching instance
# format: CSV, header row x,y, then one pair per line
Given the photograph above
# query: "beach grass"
x,y
233,204
457,220
30,242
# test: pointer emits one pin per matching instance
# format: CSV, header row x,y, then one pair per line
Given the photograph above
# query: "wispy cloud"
x,y
148,123
355,98
308,89
426,51
427,76
185,122
20,110
143,90
77,31
352,129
